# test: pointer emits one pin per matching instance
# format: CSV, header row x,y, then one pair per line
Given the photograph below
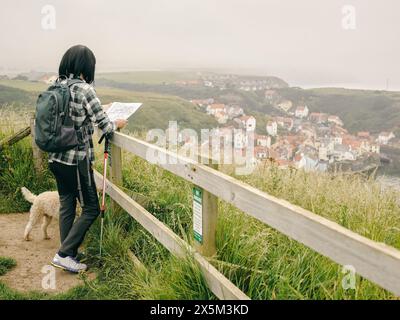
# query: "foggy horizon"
x,y
304,43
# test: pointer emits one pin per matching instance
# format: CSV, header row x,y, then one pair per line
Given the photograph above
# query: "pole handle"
x,y
102,138
107,136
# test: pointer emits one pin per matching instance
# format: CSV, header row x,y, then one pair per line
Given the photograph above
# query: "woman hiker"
x,y
73,168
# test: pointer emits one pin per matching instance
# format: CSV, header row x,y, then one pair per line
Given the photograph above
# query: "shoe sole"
x,y
66,269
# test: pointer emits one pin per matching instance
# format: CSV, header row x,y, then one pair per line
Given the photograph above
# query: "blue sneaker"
x,y
68,264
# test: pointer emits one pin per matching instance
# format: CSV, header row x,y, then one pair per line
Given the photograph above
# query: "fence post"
x,y
205,213
116,170
38,155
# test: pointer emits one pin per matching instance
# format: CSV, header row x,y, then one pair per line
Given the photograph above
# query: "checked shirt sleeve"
x,y
95,111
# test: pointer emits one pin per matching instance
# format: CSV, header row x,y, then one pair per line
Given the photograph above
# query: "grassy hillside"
x,y
360,110
9,95
28,86
156,112
186,92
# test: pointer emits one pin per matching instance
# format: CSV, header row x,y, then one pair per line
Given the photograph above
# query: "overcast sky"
x,y
302,41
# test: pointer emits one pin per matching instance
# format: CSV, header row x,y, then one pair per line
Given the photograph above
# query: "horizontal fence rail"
x,y
374,261
15,137
217,282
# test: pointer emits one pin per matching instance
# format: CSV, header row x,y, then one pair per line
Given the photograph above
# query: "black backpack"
x,y
54,128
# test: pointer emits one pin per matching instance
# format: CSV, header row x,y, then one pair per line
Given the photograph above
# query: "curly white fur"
x,y
46,206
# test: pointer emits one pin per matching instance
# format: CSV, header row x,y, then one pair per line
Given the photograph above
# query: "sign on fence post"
x,y
198,214
205,211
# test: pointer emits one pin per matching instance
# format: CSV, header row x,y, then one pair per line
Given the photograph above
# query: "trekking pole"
x,y
103,198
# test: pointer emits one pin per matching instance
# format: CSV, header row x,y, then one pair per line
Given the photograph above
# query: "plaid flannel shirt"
x,y
86,110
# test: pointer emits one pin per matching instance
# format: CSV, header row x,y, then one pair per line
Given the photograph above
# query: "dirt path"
x,y
32,257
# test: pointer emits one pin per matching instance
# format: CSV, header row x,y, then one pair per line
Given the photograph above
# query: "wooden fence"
x,y
374,261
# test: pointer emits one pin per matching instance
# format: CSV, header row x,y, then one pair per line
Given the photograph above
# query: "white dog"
x,y
46,206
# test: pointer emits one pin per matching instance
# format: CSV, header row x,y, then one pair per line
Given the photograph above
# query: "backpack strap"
x,y
71,82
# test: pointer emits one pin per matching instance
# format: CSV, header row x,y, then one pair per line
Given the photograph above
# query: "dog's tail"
x,y
29,196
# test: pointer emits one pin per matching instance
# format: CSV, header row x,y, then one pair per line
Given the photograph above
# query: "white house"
x,y
247,122
212,109
263,141
311,163
221,117
285,122
367,146
375,148
302,112
385,137
239,139
337,139
235,111
272,128
343,153
323,153
328,143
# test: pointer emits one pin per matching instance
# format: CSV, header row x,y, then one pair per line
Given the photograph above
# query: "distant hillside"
x,y
187,85
186,92
374,111
30,86
156,112
147,77
253,102
15,96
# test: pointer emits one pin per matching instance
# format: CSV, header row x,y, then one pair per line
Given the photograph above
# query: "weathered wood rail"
x,y
217,283
374,261
15,138
37,154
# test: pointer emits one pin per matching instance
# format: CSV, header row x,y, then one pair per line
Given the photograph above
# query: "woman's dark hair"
x,y
76,61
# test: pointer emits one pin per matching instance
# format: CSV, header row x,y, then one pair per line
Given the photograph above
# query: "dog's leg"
x,y
33,218
28,229
45,224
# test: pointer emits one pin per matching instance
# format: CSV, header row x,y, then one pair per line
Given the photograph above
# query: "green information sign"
x,y
198,214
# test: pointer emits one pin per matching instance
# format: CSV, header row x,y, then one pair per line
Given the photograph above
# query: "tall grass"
x,y
357,203
14,118
264,263
261,261
16,171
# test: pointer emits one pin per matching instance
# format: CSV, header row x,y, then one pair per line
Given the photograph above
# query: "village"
x,y
299,138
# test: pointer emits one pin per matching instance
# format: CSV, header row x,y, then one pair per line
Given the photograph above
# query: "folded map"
x,y
120,110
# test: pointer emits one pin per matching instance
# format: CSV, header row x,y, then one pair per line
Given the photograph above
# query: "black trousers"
x,y
73,233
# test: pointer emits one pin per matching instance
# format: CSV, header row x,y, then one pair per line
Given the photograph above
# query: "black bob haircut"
x,y
76,61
